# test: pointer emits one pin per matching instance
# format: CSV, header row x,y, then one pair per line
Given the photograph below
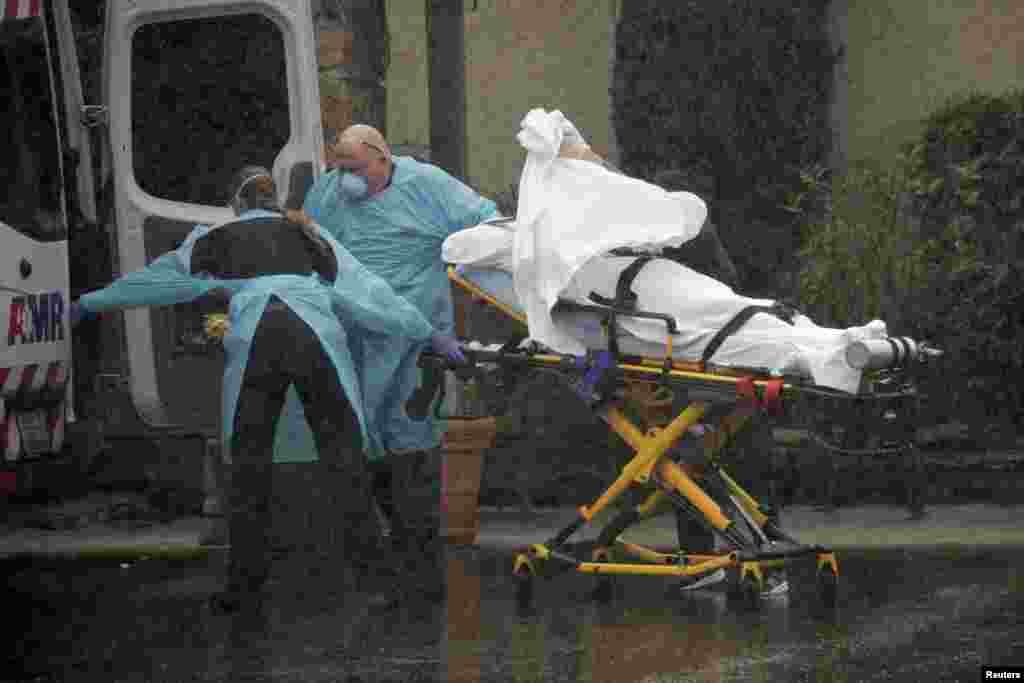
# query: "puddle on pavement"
x,y
148,621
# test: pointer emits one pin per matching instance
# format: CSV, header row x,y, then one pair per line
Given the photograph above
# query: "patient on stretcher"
x,y
575,214
783,342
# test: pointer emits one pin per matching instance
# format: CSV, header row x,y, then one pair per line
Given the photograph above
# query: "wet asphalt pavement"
x,y
904,615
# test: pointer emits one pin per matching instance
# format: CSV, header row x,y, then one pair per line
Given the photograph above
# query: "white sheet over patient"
x,y
571,211
700,305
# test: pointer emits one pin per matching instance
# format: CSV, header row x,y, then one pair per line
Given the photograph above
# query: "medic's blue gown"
x,y
398,234
355,312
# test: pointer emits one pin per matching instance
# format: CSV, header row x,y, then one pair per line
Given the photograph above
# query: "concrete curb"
x,y
178,540
865,526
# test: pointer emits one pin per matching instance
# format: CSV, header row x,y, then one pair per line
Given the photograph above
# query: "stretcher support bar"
x,y
784,554
745,499
673,475
651,449
650,506
659,569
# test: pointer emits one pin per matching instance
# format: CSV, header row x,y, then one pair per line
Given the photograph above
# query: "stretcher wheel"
x,y
604,589
828,586
524,579
748,591
604,584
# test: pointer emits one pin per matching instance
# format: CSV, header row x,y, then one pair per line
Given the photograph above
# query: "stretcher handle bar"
x,y
483,295
573,307
684,378
826,392
715,388
800,551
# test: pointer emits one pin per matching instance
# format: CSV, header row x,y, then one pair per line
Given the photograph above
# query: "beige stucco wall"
x,y
904,58
520,54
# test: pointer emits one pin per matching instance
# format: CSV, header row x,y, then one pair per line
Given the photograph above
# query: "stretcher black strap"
x,y
780,311
625,297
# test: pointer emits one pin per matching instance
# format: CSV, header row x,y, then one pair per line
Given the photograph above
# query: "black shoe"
x,y
377,575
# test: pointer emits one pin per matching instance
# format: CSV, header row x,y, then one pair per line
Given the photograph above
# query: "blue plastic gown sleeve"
x,y
461,206
361,297
316,197
442,198
163,282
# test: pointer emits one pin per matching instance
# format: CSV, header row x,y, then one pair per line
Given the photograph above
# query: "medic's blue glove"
x,y
78,313
448,346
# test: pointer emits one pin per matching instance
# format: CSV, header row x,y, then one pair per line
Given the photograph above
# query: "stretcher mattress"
x,y
780,355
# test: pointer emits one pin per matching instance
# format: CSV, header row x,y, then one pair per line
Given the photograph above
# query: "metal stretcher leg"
x,y
690,500
706,495
649,450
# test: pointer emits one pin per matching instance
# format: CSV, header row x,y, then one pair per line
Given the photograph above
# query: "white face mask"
x,y
353,187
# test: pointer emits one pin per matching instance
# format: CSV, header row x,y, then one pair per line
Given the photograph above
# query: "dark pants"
x,y
285,351
416,497
408,487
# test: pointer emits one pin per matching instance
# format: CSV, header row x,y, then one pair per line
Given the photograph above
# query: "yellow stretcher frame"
x,y
764,546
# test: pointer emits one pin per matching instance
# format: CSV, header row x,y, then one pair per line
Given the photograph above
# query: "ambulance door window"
x,y
30,173
208,97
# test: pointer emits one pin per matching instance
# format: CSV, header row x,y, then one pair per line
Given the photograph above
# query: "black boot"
x,y
249,555
431,581
422,557
416,523
377,576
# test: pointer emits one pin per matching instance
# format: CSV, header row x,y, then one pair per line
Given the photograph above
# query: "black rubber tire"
x,y
828,587
750,592
524,580
604,589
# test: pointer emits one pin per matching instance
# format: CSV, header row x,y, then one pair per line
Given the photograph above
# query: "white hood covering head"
x,y
572,210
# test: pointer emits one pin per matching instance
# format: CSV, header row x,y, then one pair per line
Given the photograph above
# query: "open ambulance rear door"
x,y
196,89
34,337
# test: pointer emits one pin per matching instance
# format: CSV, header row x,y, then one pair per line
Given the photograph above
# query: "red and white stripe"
x,y
21,9
56,375
31,378
21,378
10,437
14,378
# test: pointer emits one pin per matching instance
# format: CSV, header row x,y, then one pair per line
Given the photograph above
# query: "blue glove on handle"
x,y
448,346
78,313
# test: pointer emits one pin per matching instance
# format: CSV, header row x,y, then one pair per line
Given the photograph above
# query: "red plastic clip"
x,y
772,403
772,392
748,392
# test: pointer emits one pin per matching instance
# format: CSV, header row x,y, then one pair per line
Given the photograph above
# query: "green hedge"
x,y
935,246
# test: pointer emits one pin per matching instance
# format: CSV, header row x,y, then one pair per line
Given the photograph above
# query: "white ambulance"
x,y
34,286
192,91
